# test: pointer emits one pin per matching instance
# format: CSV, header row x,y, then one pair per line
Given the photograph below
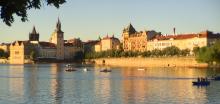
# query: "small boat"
x,y
202,83
85,70
105,70
217,78
70,69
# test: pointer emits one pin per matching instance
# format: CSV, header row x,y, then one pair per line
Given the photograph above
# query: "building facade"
x,y
20,51
89,46
136,41
107,43
183,41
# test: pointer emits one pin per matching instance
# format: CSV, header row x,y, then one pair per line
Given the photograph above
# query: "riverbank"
x,y
150,62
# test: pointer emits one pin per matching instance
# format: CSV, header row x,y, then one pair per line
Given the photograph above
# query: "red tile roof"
x,y
205,34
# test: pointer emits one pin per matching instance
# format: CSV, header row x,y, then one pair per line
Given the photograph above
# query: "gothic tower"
x,y
34,36
57,38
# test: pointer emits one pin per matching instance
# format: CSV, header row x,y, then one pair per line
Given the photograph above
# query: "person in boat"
x,y
206,79
203,79
198,79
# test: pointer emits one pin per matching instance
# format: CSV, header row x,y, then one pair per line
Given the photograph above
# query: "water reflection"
x,y
56,83
102,87
49,83
31,83
16,82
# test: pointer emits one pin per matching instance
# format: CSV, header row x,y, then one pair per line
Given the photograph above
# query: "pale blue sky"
x,y
89,19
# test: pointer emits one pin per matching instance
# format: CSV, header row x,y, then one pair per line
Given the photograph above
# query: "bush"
x,y
209,54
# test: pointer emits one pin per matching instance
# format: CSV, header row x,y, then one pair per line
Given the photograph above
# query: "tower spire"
x,y
34,36
58,26
34,30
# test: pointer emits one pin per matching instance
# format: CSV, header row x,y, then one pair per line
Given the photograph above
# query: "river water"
x,y
51,84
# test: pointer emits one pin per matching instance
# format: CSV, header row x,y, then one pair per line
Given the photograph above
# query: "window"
x,y
16,52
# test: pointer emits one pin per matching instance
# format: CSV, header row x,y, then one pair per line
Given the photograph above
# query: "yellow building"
x,y
107,43
183,41
136,41
20,51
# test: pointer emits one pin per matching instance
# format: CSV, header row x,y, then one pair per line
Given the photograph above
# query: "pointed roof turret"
x,y
130,29
34,30
34,36
58,26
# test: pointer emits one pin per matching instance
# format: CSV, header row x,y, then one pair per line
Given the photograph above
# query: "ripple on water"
x,y
46,84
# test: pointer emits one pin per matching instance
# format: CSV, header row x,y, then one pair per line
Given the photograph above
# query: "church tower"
x,y
34,36
57,38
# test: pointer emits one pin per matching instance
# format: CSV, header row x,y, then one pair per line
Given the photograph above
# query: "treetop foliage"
x,y
20,7
169,51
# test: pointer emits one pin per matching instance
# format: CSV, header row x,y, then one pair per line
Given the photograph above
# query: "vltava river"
x,y
50,83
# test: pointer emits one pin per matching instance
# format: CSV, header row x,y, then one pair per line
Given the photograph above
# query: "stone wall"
x,y
151,62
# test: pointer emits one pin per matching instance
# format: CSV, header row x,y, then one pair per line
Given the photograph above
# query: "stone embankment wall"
x,y
151,62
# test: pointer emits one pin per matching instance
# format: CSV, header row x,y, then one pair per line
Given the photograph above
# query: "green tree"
x,y
216,50
195,50
33,55
171,51
205,54
156,52
209,54
3,54
184,52
20,7
146,54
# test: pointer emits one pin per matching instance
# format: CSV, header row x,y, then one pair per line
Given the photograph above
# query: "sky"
x,y
89,19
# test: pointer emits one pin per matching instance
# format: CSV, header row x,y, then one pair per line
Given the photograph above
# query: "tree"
x,y
156,52
209,54
20,7
184,52
171,51
3,54
195,50
146,54
33,55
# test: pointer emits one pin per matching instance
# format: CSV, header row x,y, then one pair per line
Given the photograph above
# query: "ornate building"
x,y
136,41
107,43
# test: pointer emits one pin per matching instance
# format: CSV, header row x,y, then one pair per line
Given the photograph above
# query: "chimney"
x,y
174,31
